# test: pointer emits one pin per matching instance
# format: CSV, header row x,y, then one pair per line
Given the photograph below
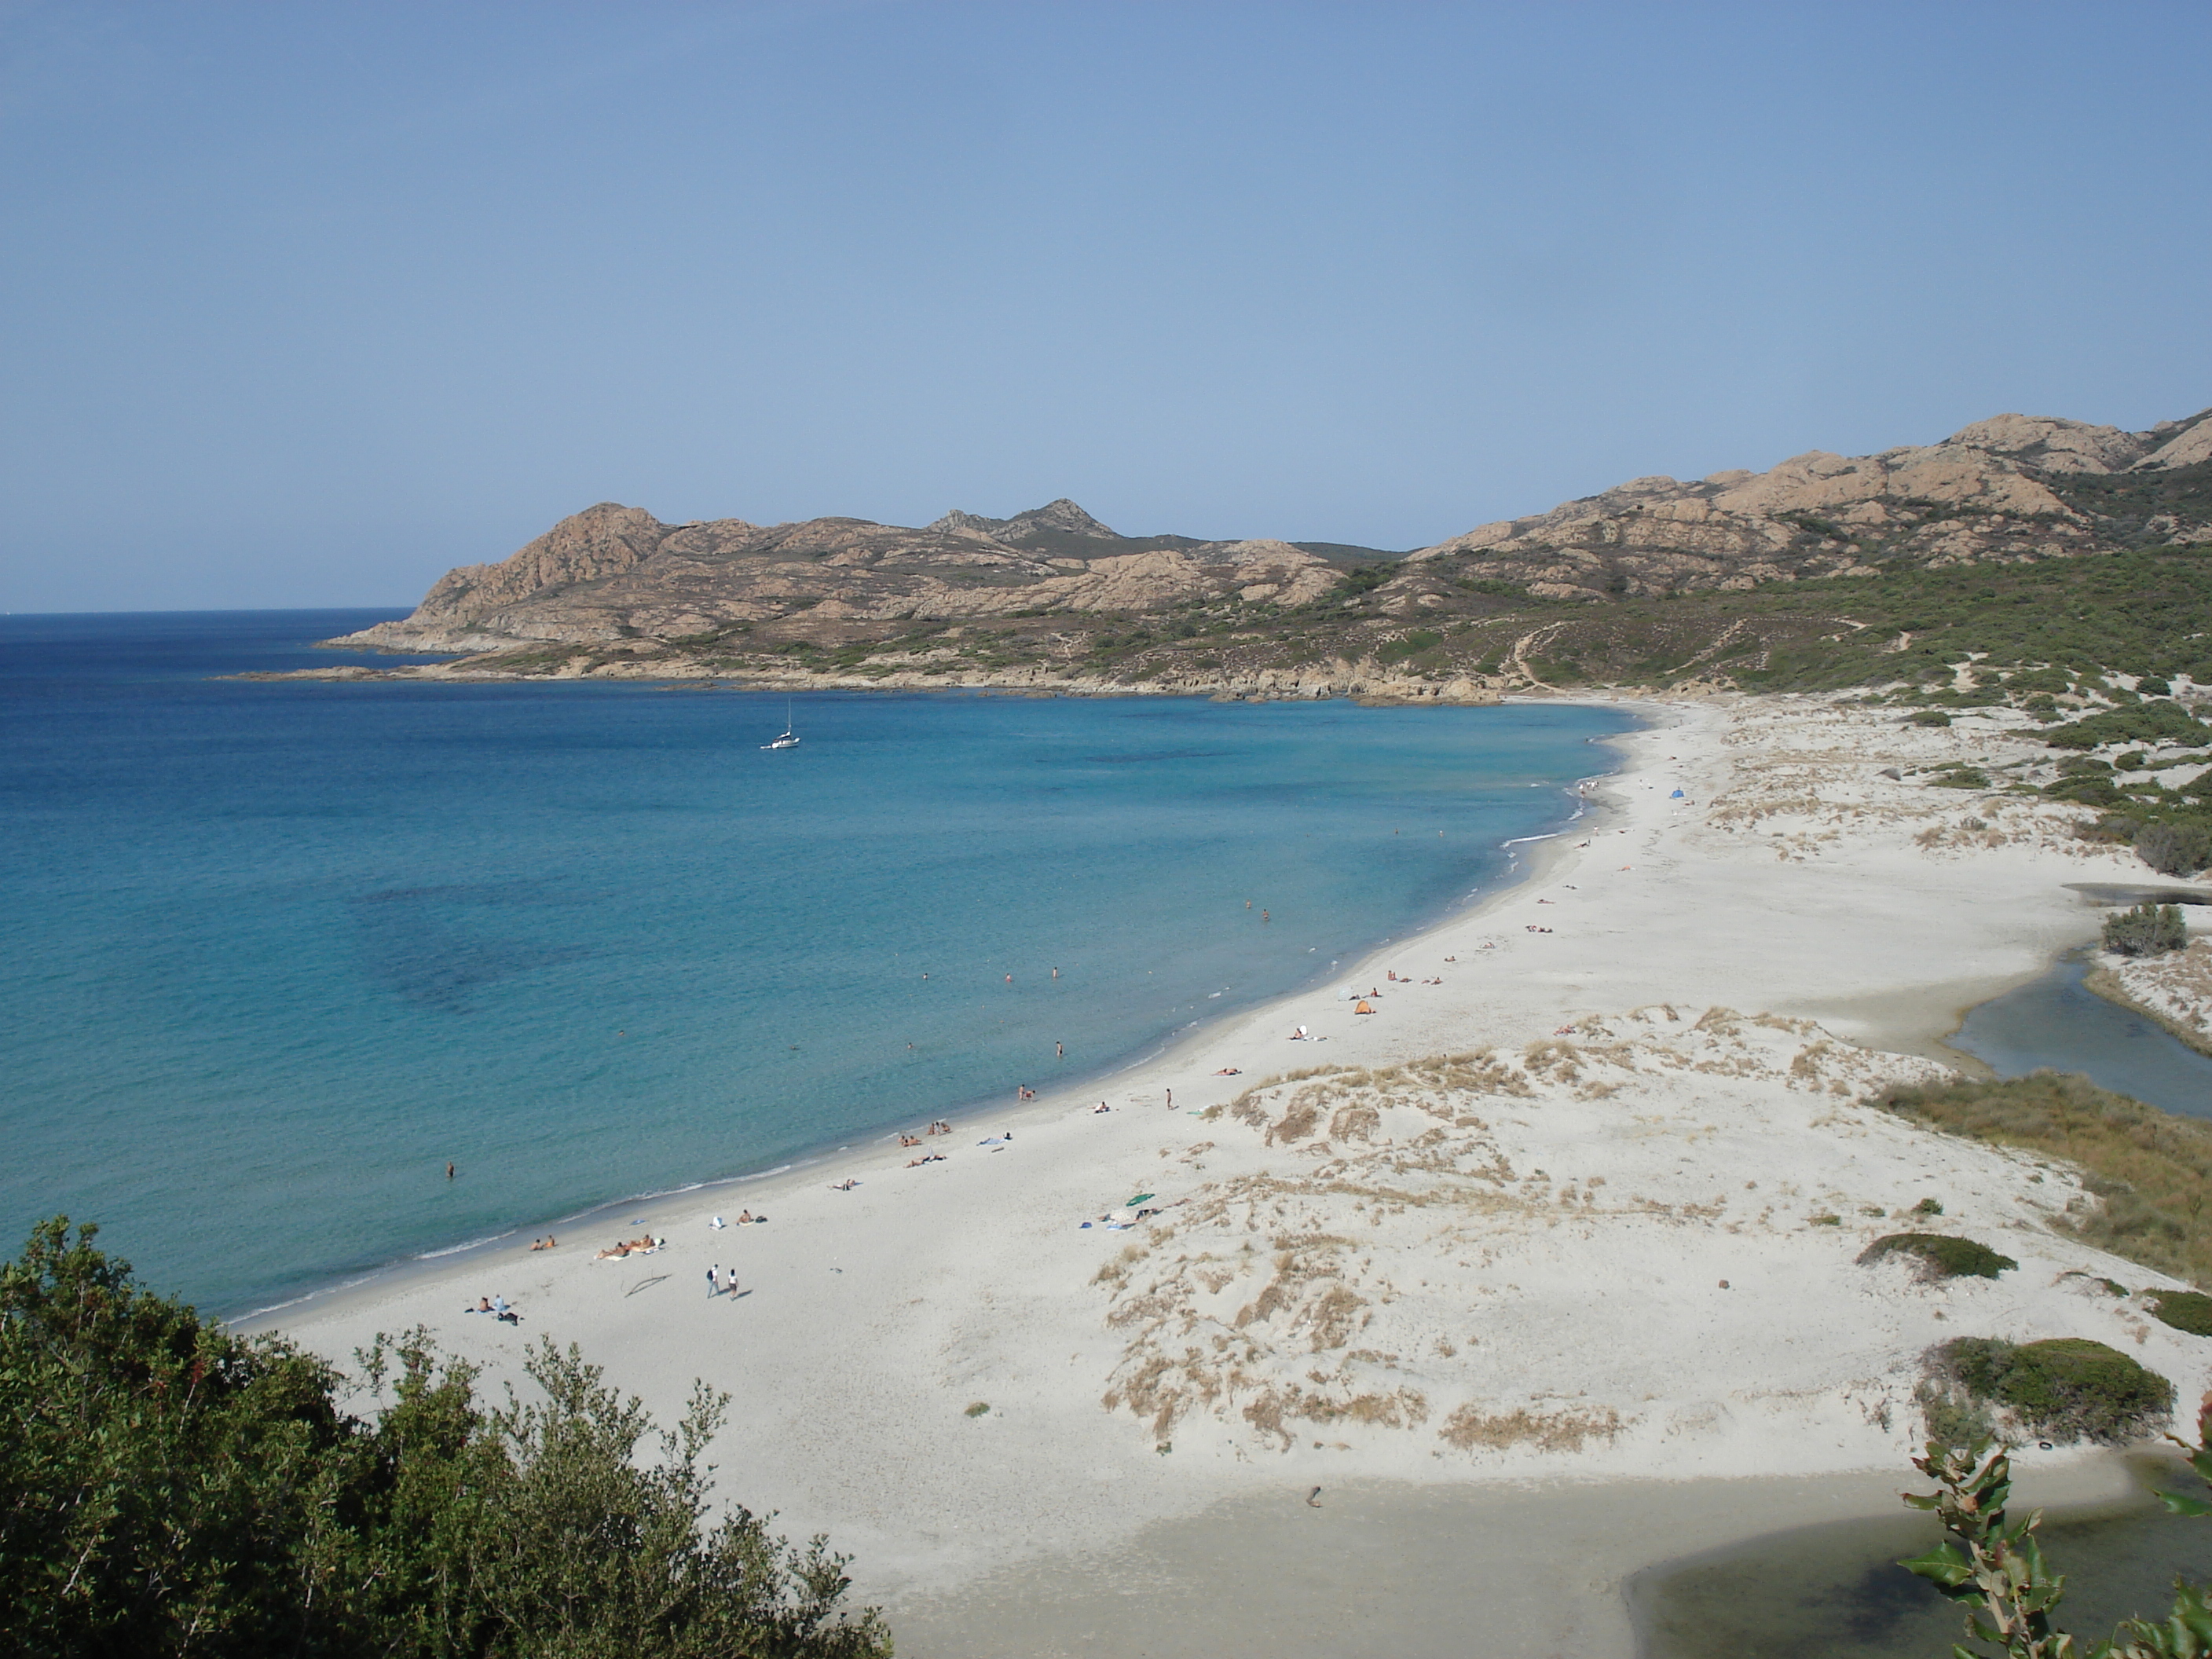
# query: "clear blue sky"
x,y
300,304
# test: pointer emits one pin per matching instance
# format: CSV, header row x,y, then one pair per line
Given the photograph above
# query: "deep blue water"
x,y
271,954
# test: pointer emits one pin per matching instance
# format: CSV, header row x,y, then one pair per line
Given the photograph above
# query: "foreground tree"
x,y
1993,1565
169,1488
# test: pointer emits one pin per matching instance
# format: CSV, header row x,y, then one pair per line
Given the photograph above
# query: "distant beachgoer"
x,y
1101,1107
484,1305
730,1283
1009,979
1060,1051
550,1241
1171,1100
1056,973
713,1287
449,1172
1263,915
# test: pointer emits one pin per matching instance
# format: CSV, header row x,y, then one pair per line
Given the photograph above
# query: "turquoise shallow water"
x,y
271,954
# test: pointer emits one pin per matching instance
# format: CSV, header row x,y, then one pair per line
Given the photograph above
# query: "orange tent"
x,y
1363,1009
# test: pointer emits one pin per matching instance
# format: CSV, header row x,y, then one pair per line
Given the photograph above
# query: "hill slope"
x,y
2016,486
1826,569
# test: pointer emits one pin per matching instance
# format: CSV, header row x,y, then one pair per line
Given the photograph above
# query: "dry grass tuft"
x,y
2150,1171
1470,1426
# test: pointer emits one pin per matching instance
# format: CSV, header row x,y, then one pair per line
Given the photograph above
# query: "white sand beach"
x,y
1550,1257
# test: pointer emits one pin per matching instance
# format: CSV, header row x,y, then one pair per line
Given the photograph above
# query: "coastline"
x,y
1789,881
988,1116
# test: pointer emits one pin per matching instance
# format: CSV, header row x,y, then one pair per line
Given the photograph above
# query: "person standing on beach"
x,y
713,1289
1171,1100
730,1285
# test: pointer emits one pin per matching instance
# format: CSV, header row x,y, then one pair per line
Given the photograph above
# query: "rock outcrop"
x,y
2014,487
614,573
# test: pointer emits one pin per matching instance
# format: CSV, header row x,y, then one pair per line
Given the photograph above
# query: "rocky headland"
x,y
1696,584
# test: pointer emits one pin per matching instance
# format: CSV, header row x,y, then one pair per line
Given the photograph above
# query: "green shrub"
x,y
169,1488
2185,1310
1929,1206
2149,723
1930,717
1952,1416
2175,849
1946,1254
2062,1389
2085,789
2149,930
1413,644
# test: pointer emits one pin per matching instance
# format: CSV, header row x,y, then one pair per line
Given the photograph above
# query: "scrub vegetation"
x,y
2063,1389
1941,1256
167,1488
2149,1173
2148,930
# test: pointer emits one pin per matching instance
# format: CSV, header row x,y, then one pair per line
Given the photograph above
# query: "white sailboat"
x,y
789,740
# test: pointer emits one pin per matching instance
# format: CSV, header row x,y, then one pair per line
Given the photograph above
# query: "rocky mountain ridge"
x,y
616,572
1053,598
2010,488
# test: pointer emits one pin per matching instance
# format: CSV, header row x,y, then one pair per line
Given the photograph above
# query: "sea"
x,y
272,955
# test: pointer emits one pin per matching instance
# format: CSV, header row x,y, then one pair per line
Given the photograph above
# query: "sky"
x,y
301,304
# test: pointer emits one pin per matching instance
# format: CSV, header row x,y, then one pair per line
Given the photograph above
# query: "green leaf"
x,y
1943,1565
